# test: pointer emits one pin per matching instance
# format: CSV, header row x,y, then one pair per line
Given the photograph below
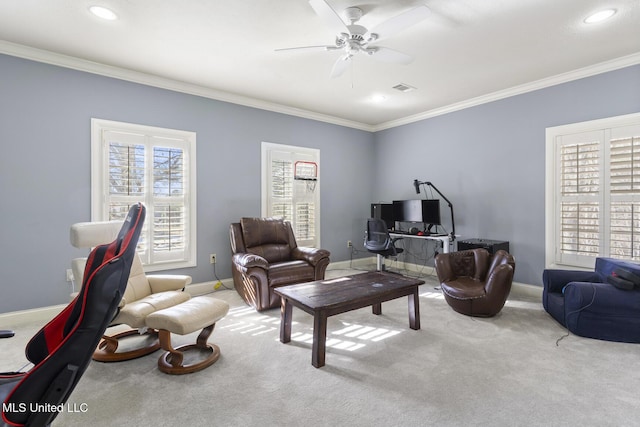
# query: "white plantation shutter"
x,y
305,221
596,194
285,197
580,202
131,164
281,193
624,177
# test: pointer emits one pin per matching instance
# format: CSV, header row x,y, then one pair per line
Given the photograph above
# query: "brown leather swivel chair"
x,y
266,255
474,282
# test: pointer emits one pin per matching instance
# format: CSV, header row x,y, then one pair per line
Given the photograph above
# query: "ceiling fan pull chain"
x,y
351,72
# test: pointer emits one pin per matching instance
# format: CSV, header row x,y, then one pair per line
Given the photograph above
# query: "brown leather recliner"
x,y
266,255
474,282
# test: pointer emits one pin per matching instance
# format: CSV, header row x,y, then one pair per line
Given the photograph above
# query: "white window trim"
x,y
266,148
551,179
99,177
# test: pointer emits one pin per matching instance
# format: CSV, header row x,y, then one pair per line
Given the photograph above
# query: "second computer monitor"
x,y
420,210
383,211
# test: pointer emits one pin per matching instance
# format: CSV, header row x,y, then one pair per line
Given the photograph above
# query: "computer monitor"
x,y
383,211
421,210
431,211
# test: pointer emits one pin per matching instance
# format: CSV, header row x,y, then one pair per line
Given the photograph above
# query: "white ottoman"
x,y
189,316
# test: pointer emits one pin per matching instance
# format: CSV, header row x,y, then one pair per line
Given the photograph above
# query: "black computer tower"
x,y
383,211
492,246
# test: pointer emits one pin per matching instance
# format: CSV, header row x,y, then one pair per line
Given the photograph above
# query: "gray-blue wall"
x,y
45,114
488,160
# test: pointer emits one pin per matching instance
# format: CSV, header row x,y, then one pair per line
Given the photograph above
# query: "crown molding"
x,y
66,61
591,70
57,59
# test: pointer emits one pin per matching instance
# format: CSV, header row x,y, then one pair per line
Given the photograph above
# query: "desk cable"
x,y
576,311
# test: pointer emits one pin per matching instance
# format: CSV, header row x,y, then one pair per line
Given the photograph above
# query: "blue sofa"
x,y
588,306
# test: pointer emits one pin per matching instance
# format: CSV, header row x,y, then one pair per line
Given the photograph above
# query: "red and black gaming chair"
x,y
62,349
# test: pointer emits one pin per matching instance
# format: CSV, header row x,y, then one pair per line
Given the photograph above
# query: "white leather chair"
x,y
143,295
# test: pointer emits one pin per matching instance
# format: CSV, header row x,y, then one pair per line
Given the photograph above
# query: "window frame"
x,y
150,137
294,153
604,130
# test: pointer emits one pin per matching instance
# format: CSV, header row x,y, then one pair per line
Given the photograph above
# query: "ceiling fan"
x,y
353,39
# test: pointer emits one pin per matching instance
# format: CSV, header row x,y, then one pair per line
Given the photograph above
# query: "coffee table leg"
x,y
319,339
285,320
414,310
377,308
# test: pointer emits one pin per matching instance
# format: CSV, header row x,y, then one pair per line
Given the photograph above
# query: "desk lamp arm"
x,y
453,223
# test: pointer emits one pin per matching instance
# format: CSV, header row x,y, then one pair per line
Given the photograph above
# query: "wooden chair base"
x,y
108,346
171,362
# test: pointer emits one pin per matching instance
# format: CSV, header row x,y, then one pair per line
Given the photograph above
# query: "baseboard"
x,y
355,263
517,289
203,288
34,315
526,290
44,314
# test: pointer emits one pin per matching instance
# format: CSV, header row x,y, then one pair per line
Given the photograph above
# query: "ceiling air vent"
x,y
402,87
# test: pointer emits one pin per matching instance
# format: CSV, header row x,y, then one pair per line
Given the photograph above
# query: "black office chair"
x,y
378,240
62,349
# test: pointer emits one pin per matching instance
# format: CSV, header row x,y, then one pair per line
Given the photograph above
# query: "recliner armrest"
x,y
167,282
608,300
555,280
245,261
311,255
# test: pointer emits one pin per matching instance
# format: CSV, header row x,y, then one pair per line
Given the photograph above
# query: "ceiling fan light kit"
x,y
353,39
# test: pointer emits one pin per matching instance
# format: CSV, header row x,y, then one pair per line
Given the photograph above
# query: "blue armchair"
x,y
588,306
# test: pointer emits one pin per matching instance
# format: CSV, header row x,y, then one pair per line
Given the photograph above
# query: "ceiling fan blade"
x,y
400,22
340,66
323,47
385,54
329,16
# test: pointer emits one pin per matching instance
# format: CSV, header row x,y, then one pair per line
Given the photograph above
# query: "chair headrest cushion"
x,y
260,231
91,234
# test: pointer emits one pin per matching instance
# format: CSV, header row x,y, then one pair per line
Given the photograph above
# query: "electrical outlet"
x,y
69,275
212,258
349,243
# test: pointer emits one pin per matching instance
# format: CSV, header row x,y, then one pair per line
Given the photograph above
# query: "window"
x,y
133,163
593,191
291,190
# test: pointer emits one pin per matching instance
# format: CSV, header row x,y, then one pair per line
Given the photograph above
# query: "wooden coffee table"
x,y
325,298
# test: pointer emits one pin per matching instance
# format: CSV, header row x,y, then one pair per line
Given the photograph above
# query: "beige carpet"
x,y
455,371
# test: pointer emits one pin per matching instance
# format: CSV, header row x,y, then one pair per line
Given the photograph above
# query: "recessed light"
x,y
378,98
103,12
600,16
